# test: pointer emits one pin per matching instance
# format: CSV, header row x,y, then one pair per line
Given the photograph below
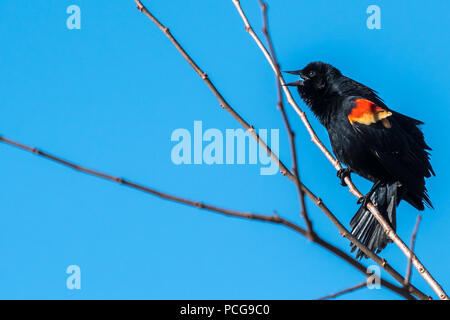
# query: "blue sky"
x,y
110,95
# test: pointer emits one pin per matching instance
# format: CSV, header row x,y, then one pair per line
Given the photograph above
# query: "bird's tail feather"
x,y
365,226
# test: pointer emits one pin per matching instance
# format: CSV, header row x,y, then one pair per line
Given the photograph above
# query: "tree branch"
x,y
291,134
352,188
348,290
413,242
381,262
233,213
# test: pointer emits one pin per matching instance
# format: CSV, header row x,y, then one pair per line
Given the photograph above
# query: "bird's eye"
x,y
312,73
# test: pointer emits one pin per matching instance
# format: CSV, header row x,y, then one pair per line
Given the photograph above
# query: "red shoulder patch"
x,y
366,112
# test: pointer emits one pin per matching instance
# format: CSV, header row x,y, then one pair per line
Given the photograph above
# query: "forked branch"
x,y
344,232
291,134
276,219
352,188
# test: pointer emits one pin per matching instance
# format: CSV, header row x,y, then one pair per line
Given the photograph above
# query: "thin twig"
x,y
247,215
437,288
291,134
275,218
413,242
348,290
283,169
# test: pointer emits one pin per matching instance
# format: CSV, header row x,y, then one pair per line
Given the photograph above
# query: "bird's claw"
x,y
363,201
342,174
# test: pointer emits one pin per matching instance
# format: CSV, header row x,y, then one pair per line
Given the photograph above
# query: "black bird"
x,y
372,140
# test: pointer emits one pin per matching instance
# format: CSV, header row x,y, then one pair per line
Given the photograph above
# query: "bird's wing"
x,y
389,141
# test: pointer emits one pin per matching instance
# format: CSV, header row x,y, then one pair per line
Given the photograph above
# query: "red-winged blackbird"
x,y
373,141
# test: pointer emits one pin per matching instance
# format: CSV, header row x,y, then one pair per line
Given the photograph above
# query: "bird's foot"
x,y
342,174
364,200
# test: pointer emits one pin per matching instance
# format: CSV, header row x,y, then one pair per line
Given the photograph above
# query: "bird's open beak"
x,y
297,72
294,84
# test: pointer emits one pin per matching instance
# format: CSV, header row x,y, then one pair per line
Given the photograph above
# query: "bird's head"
x,y
317,80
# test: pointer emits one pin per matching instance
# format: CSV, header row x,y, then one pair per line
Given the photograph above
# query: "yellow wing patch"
x,y
366,112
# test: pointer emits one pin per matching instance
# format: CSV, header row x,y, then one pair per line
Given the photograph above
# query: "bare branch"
x,y
291,134
233,213
413,242
352,188
348,290
382,262
197,204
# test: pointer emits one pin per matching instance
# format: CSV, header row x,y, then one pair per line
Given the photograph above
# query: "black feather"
x,y
395,154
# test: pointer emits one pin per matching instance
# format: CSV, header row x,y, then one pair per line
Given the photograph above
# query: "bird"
x,y
373,141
